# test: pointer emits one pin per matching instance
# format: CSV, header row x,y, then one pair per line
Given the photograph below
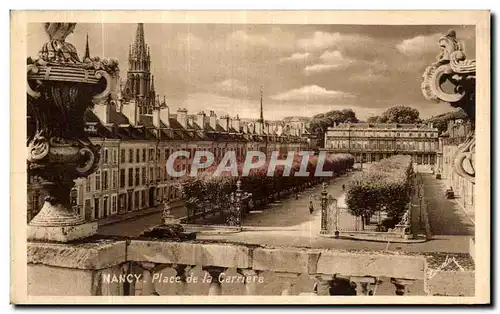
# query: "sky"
x,y
303,69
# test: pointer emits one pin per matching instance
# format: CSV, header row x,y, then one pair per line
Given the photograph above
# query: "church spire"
x,y
139,42
261,119
87,50
152,83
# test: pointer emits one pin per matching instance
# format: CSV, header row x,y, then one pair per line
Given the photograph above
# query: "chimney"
x,y
200,119
235,123
182,117
223,122
229,123
103,111
129,109
156,118
213,120
165,115
258,128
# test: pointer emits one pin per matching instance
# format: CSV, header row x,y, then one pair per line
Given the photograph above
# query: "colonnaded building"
x,y
137,133
369,142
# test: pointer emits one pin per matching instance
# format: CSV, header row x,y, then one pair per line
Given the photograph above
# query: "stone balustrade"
x,y
147,267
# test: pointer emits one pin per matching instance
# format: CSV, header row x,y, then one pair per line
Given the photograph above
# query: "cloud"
x,y
190,41
275,38
242,36
322,40
329,60
419,45
310,93
370,75
296,57
231,86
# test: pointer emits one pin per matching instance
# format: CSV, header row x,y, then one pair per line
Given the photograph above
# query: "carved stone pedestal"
x,y
62,233
60,88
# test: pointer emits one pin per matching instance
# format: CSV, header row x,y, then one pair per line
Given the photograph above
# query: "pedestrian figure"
x,y
343,187
311,206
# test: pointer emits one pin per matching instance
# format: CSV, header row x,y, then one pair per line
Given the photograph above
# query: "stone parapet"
x,y
85,265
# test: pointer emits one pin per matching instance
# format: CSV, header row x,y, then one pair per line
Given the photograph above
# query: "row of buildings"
x,y
137,133
369,142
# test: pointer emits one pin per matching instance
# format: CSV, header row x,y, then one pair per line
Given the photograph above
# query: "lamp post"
x,y
324,209
60,88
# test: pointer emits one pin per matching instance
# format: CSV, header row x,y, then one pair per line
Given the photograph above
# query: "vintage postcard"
x,y
247,157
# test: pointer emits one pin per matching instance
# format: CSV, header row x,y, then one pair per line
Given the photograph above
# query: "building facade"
x,y
369,142
449,142
137,134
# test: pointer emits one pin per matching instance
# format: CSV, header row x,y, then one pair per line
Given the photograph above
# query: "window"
x,y
137,176
143,155
143,175
105,206
113,204
115,157
98,180
96,208
105,181
138,155
122,178
113,179
136,200
87,205
88,183
106,155
122,155
130,155
165,154
151,154
130,177
74,198
151,174
158,154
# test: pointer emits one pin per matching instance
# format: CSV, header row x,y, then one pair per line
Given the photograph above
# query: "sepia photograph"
x,y
251,157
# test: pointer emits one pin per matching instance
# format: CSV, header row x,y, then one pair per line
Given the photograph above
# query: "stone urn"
x,y
60,88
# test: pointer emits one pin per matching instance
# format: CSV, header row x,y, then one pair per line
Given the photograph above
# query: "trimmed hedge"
x,y
385,186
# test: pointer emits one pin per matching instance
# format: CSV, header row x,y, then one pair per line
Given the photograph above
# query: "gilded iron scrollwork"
x,y
454,70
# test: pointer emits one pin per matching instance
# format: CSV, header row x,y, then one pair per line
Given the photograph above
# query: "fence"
x,y
337,219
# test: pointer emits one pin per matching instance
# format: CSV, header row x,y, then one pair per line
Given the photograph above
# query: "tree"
x,y
321,122
400,114
373,119
384,187
441,121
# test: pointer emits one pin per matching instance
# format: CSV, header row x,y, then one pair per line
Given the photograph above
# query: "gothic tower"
x,y
140,84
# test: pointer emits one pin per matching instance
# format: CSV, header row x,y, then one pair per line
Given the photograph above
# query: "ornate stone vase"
x,y
452,80
60,88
